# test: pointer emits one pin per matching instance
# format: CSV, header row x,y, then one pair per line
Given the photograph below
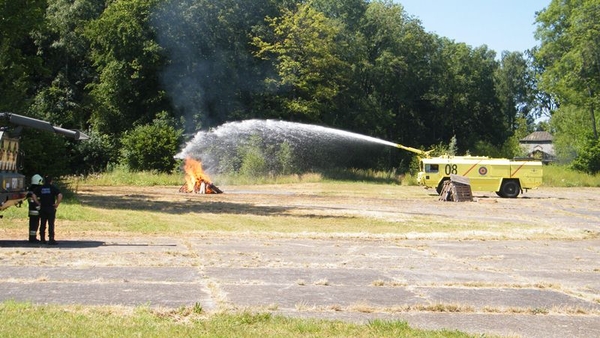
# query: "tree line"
x,y
140,75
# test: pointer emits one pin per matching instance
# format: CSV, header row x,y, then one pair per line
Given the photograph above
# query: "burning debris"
x,y
196,181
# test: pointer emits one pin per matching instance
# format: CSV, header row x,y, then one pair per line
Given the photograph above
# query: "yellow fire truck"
x,y
508,178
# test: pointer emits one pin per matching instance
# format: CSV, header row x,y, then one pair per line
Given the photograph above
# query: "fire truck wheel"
x,y
510,189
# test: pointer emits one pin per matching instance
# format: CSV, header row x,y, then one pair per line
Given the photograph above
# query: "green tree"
x,y
311,71
62,97
128,60
464,95
570,54
571,131
393,73
348,12
514,87
544,103
26,71
347,109
20,63
570,49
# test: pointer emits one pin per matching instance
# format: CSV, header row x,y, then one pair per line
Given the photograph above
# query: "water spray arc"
x,y
312,146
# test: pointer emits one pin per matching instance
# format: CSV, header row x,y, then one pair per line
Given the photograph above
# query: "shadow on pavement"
x,y
69,244
66,244
145,202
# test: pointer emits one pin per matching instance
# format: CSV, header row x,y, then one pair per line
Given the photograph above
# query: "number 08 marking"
x,y
451,169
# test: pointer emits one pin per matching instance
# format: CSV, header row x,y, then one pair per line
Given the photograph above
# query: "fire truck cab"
x,y
508,178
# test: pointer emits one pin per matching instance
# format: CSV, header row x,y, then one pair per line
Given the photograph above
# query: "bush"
x,y
253,163
44,153
151,147
95,154
588,159
285,157
261,159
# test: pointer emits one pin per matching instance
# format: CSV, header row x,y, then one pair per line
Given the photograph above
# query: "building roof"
x,y
544,148
537,136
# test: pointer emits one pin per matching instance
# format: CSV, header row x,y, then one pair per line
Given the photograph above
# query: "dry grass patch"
x,y
382,283
322,282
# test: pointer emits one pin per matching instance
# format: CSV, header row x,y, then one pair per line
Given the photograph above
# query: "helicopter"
x,y
13,189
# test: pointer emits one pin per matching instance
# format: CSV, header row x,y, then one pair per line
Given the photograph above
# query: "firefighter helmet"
x,y
37,180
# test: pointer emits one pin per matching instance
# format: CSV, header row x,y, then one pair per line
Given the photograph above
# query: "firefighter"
x,y
48,196
34,208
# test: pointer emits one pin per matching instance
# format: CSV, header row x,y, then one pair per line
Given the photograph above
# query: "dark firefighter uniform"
x,y
34,208
49,197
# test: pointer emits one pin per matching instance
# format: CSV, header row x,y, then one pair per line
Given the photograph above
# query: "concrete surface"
x,y
548,288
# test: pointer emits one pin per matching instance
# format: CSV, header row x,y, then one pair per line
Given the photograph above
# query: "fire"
x,y
196,180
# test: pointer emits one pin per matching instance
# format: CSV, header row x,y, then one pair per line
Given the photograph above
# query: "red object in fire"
x,y
196,180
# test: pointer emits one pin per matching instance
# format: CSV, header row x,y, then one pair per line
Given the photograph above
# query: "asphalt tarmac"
x,y
523,288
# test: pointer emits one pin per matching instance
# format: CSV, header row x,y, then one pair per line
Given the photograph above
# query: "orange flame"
x,y
194,176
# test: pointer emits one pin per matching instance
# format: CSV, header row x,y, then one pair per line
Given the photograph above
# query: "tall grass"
x,y
123,177
363,175
564,176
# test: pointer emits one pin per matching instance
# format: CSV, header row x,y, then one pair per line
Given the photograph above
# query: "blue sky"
x,y
499,24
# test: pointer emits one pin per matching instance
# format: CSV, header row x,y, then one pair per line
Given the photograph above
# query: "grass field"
x,y
26,320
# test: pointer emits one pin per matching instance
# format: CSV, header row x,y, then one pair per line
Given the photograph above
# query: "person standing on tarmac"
x,y
48,197
34,208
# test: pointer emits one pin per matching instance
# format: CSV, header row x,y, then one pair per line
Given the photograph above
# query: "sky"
x,y
499,24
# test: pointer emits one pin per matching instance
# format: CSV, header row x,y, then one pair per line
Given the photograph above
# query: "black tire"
x,y
510,189
441,185
499,194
